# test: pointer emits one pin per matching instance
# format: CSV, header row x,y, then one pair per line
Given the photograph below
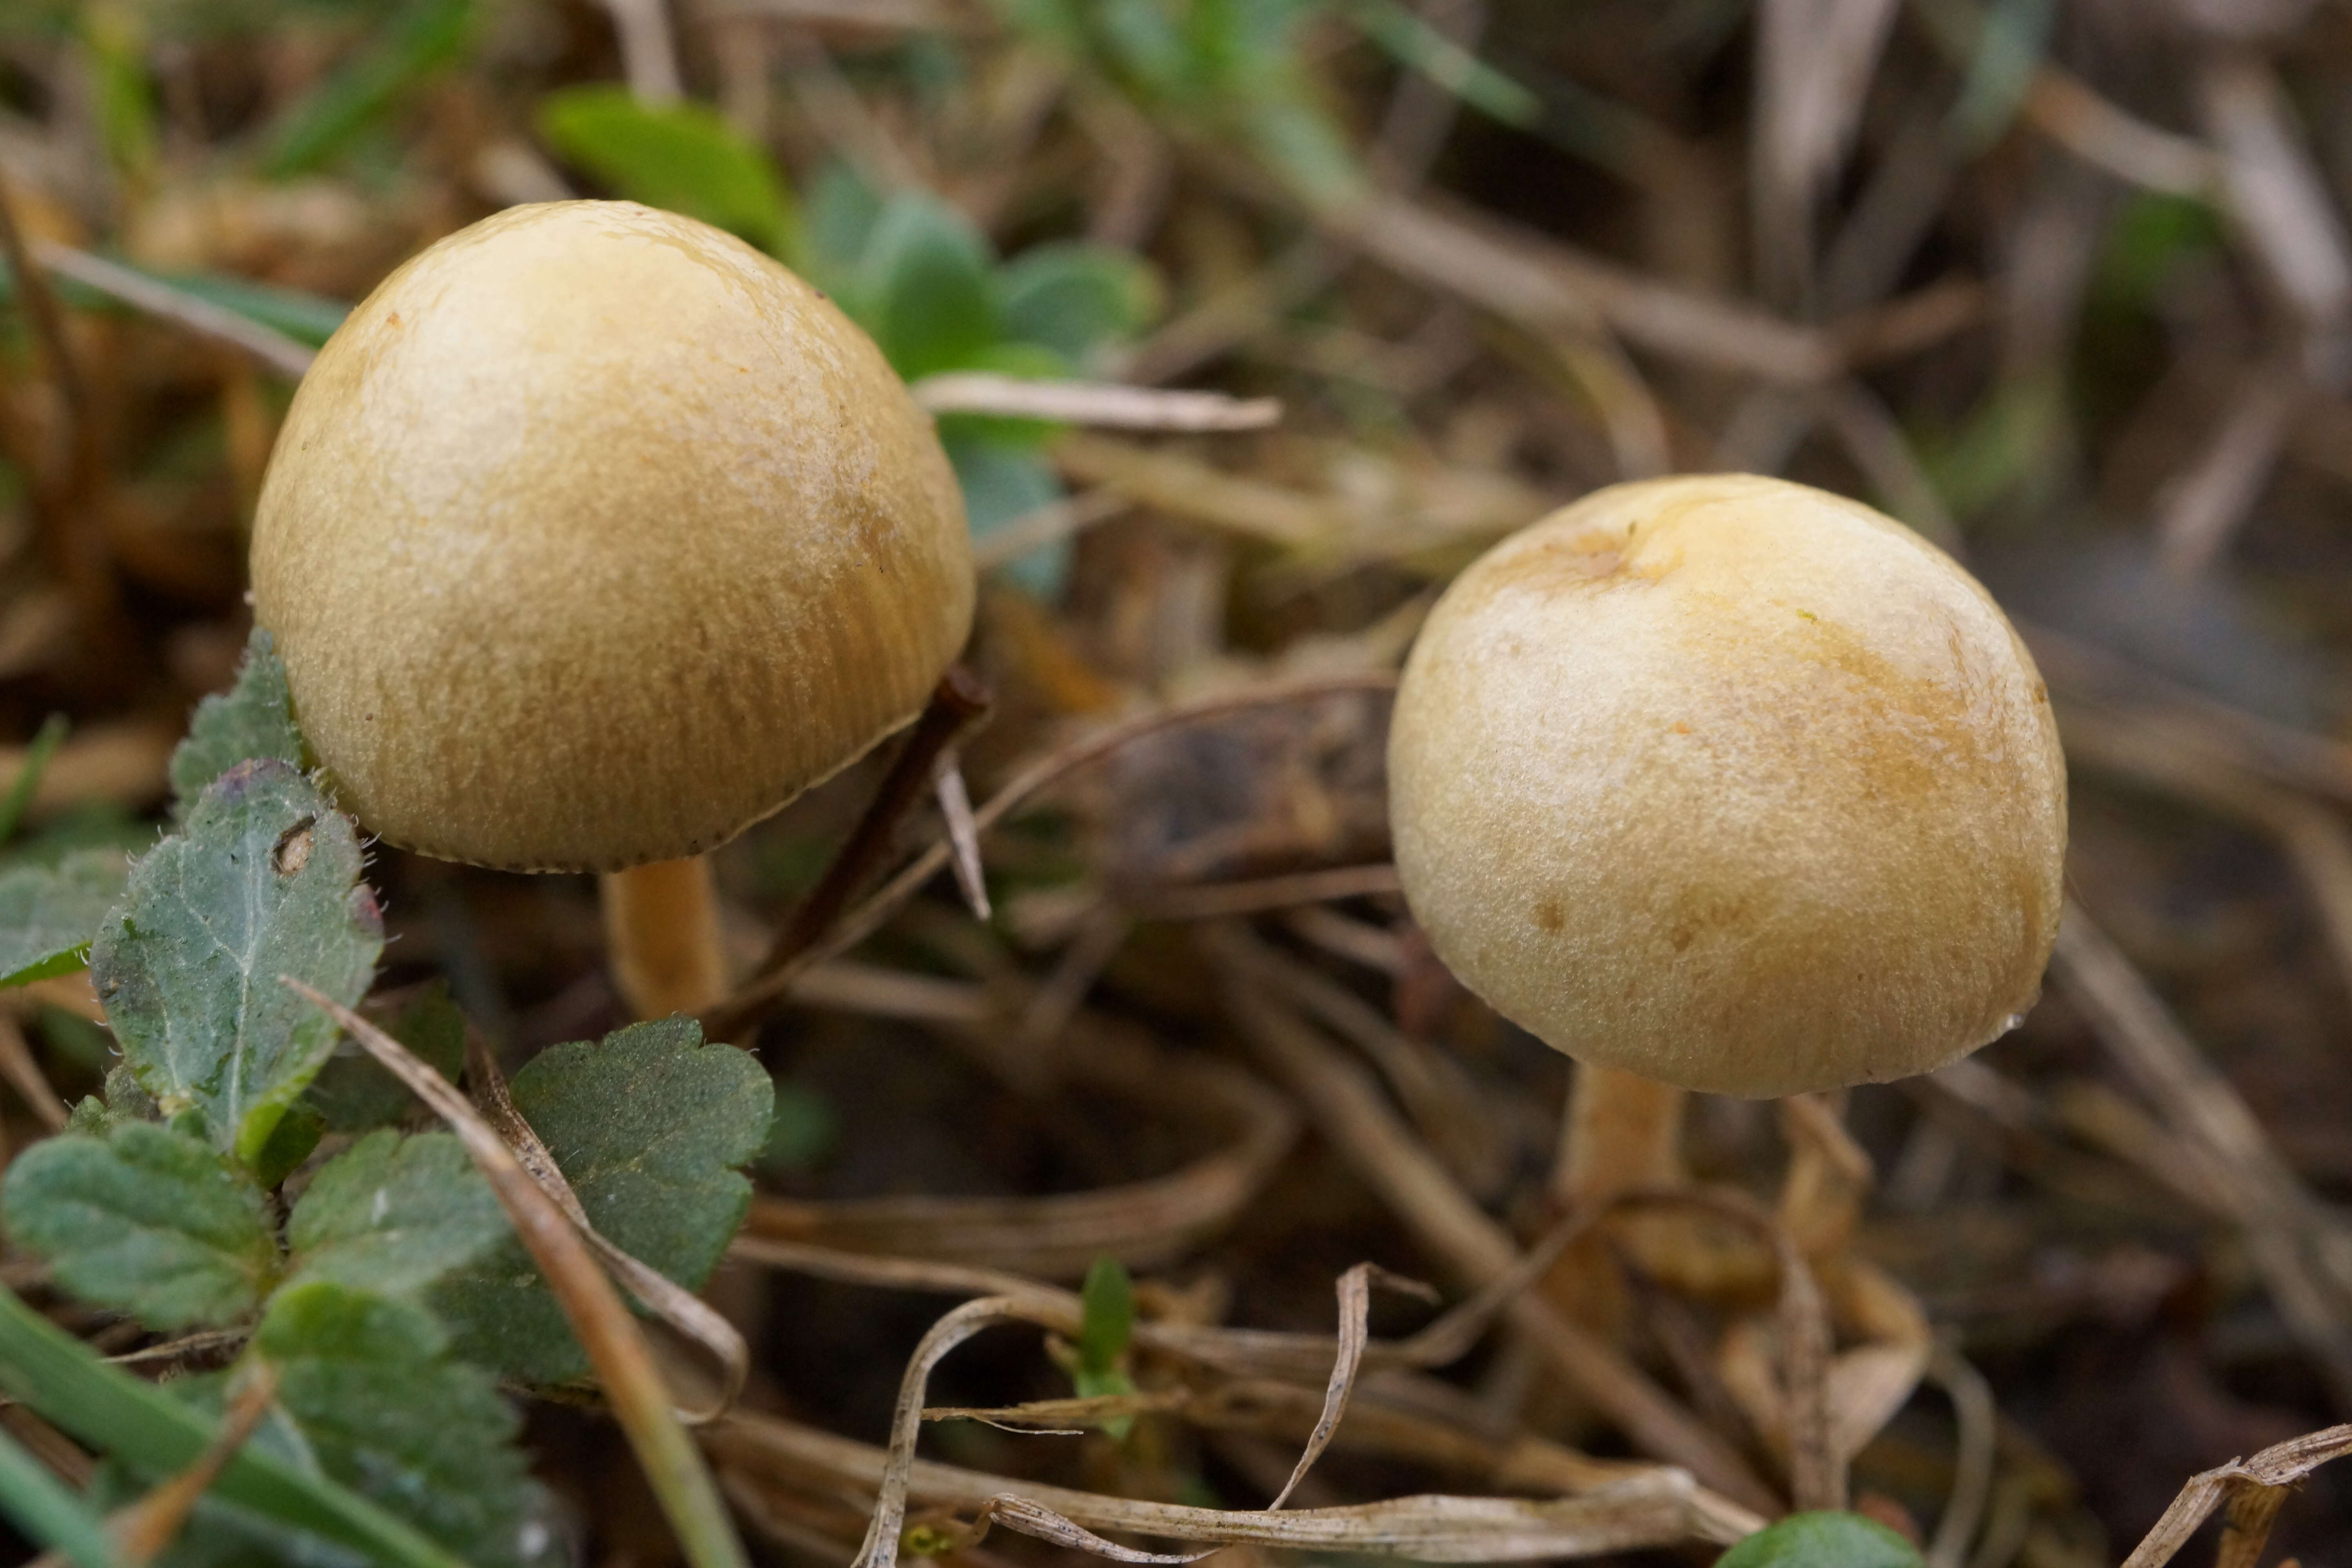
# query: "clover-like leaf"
x,y
1824,1541
394,1214
49,914
144,1219
254,718
263,882
649,1126
382,1407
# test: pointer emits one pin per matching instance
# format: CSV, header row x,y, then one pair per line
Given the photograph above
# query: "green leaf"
x,y
1002,483
263,882
1822,1541
146,1221
304,317
1077,299
354,1092
649,1126
924,287
842,212
386,1412
19,798
46,1513
254,718
393,1215
1107,1305
108,1410
48,914
681,156
423,37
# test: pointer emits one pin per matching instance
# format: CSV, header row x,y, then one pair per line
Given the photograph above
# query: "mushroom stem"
x,y
1622,1130
661,928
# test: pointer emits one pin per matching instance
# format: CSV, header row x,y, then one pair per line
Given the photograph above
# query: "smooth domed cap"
x,y
595,535
1732,784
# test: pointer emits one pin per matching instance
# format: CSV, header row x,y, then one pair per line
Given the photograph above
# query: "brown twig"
x,y
957,703
758,995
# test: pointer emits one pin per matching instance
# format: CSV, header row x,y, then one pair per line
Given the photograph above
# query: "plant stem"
x,y
956,703
662,930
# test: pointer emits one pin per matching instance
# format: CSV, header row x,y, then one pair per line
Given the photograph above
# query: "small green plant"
x,y
1097,1363
387,1298
1824,1541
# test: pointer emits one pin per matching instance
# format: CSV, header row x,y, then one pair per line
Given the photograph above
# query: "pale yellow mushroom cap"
x,y
595,535
1732,784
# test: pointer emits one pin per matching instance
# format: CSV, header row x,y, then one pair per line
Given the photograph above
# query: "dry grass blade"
x,y
1030,1518
963,836
1348,1108
2276,192
881,1549
1814,63
684,1314
751,1001
1063,1417
1964,1506
1200,492
2207,504
145,1529
607,1332
2288,1234
24,1074
274,349
1654,1509
1222,901
1108,405
1271,1367
2275,1469
1047,524
2152,754
1355,1313
1140,1223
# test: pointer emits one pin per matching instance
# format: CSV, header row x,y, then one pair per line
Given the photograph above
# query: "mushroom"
x,y
1722,782
593,537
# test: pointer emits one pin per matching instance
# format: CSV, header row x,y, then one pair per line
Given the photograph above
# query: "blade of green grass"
x,y
19,798
58,1376
40,1505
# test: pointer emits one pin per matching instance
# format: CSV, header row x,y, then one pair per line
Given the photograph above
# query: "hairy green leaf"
x,y
1822,1541
385,1412
263,882
145,1220
254,718
394,1214
649,1126
679,156
48,914
354,1092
